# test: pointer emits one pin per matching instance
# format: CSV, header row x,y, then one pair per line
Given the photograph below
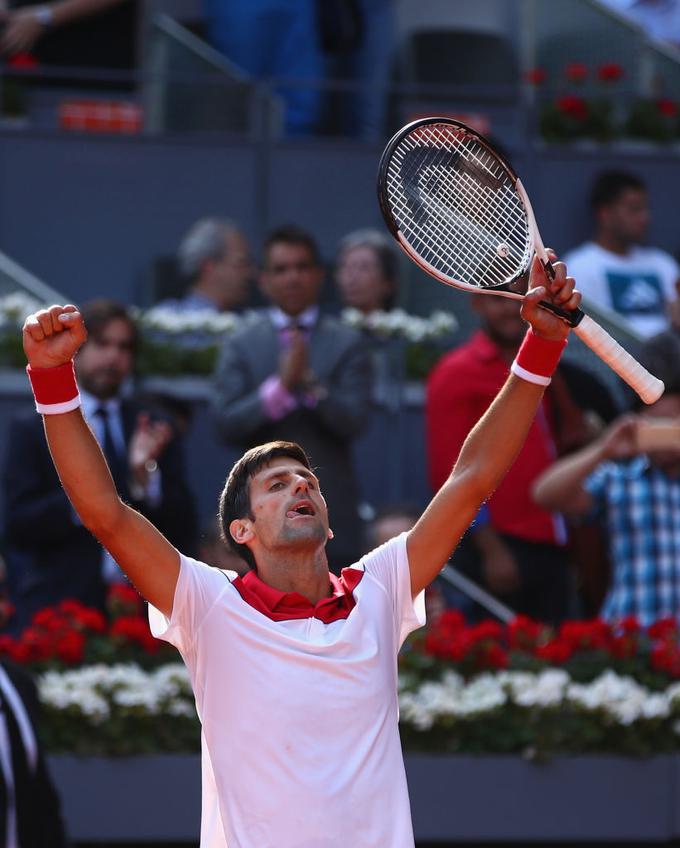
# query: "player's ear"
x,y
241,530
330,534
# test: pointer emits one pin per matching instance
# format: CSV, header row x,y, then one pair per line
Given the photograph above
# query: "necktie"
x,y
117,463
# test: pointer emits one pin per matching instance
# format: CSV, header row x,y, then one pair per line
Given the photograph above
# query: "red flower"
x,y
23,61
523,633
70,647
123,600
132,628
494,657
610,72
586,635
576,72
629,625
624,647
38,644
555,652
14,649
48,619
667,107
665,656
664,628
536,76
485,630
573,106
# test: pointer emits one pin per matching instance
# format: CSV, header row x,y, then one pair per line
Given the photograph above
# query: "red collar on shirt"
x,y
284,606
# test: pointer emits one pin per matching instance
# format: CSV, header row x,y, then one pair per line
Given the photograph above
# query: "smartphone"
x,y
655,434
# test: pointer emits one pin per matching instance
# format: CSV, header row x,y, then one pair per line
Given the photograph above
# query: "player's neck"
x,y
613,244
304,573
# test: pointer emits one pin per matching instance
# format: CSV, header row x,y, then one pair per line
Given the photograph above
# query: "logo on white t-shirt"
x,y
635,293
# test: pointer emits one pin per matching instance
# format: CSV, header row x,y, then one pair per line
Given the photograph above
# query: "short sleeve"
x,y
198,588
388,565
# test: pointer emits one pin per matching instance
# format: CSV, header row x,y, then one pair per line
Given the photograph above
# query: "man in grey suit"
x,y
294,373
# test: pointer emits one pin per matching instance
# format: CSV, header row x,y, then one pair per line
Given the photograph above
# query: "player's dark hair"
x,y
235,497
610,185
290,234
98,314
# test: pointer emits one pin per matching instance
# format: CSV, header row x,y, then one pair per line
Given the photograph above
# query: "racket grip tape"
x,y
648,387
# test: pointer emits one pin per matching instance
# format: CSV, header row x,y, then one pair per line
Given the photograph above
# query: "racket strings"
x,y
472,226
486,218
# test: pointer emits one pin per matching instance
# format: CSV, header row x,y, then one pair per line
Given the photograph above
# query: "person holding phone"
x,y
629,479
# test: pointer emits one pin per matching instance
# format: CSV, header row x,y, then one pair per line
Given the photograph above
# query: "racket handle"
x,y
619,360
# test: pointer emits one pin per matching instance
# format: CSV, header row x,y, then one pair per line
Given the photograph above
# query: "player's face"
x,y
361,280
291,278
628,217
105,362
287,506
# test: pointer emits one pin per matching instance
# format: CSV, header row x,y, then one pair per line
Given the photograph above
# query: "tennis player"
x,y
294,670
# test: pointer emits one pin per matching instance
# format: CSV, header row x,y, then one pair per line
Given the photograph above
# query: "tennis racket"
x,y
461,213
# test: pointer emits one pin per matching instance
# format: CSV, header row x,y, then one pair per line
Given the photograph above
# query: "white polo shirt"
x,y
300,741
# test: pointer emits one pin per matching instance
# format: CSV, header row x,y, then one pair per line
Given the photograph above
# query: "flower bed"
x,y
110,688
175,343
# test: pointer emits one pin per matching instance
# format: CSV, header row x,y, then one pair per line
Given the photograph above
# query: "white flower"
x,y
398,323
16,306
96,691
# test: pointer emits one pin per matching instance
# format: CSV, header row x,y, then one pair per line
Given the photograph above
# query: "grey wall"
x,y
89,215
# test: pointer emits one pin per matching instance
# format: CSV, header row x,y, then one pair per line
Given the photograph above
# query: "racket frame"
x,y
627,367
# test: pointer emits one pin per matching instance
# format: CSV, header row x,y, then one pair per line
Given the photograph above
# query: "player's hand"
x,y
52,336
294,362
559,291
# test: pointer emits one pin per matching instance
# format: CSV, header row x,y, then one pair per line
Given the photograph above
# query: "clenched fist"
x,y
52,336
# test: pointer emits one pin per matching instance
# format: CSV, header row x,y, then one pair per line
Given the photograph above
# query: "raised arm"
x,y
51,338
494,442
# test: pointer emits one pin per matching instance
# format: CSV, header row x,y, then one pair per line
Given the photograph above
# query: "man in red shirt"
x,y
515,548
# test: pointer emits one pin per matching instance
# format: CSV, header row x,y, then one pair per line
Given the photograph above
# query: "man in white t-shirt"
x,y
294,670
614,271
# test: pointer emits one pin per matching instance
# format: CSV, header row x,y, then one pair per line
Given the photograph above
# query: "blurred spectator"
x,y
215,258
515,549
50,555
358,37
292,372
73,33
614,271
29,805
274,40
391,520
366,271
213,550
636,496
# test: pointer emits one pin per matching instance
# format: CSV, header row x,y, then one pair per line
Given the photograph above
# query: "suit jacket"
x,y
50,555
39,823
341,362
